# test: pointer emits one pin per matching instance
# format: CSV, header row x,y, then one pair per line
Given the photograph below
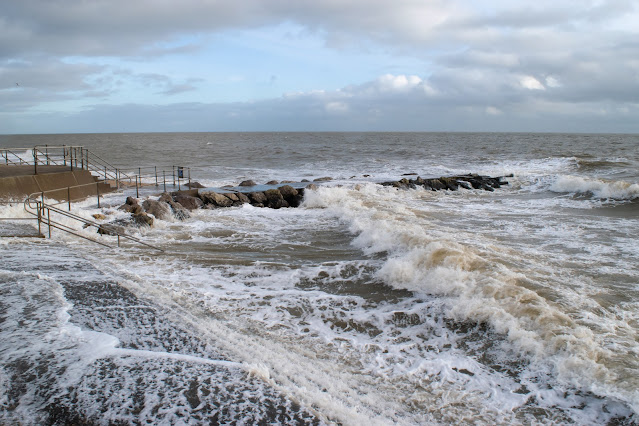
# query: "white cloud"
x,y
491,110
552,82
531,83
398,83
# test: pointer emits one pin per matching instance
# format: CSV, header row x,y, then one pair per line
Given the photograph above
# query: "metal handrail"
x,y
41,208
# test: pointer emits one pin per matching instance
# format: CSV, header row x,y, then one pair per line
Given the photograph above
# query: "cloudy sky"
x,y
335,65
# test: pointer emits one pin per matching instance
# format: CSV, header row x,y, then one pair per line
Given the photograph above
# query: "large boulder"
x,y
142,219
188,201
291,195
257,198
215,199
275,199
159,209
248,183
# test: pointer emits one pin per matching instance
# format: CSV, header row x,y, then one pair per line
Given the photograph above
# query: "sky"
x,y
93,66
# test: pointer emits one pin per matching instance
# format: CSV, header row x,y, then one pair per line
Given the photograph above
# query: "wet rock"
x,y
111,229
188,201
275,199
160,209
194,185
142,219
291,195
215,199
257,198
248,183
179,212
323,179
98,216
243,198
231,196
272,182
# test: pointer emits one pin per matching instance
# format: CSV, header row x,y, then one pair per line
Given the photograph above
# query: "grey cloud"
x,y
390,103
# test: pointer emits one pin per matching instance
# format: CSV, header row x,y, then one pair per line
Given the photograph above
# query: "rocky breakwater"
x,y
451,183
274,195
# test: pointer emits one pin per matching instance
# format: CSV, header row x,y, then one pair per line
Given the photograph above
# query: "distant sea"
x,y
366,305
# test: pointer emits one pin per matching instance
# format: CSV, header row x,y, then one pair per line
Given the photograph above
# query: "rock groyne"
x,y
178,205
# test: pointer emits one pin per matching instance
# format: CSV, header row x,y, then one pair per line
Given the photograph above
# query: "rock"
x,y
243,198
131,201
275,198
188,201
142,219
98,216
323,179
311,187
272,182
110,229
211,197
257,198
291,195
179,212
195,185
166,197
160,209
287,191
231,196
305,180
131,208
248,183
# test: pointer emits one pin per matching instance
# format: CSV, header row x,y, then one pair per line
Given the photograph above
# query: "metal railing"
x,y
79,157
36,205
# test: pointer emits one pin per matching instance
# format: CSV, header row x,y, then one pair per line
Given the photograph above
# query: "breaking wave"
x,y
598,188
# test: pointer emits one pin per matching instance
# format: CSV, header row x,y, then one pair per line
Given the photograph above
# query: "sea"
x,y
367,305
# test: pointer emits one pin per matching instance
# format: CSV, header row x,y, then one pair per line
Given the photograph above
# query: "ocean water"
x,y
366,305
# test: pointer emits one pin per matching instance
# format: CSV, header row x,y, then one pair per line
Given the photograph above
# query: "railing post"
x,y
155,168
97,190
64,154
105,173
81,157
164,179
173,176
49,221
137,194
46,153
69,196
39,217
35,161
189,178
71,149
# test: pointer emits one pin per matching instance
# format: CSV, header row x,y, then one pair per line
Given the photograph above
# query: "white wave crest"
x,y
598,188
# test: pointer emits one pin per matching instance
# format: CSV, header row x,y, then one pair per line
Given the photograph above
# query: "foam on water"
x,y
597,188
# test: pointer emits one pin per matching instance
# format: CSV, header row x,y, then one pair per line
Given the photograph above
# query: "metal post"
x,y
189,178
173,176
71,149
35,161
46,151
69,196
118,240
39,217
155,168
64,154
49,221
97,190
164,179
82,157
137,194
105,173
